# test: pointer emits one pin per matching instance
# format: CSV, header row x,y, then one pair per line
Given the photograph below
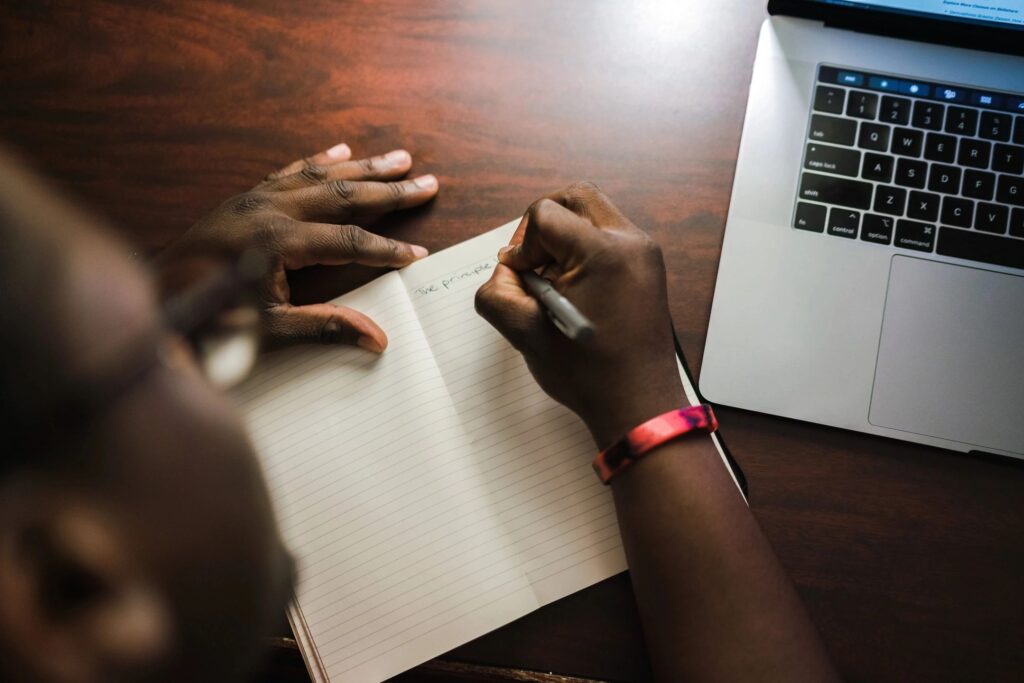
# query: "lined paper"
x,y
401,557
433,493
533,455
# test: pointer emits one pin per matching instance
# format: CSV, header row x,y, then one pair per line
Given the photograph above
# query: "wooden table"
x,y
910,559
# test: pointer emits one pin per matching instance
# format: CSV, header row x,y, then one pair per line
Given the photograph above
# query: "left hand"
x,y
304,215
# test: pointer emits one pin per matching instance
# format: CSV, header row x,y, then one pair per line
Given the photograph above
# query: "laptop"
x,y
872,270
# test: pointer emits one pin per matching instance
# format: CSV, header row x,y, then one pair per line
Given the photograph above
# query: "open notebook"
x,y
433,493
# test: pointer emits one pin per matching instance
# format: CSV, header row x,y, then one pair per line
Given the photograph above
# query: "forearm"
x,y
715,603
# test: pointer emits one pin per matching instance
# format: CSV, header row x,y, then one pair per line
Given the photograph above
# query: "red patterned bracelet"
x,y
651,434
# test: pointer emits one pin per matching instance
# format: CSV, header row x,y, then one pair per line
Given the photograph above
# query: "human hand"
x,y
614,273
303,215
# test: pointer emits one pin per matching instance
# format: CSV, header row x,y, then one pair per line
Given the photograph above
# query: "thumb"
x,y
323,324
511,310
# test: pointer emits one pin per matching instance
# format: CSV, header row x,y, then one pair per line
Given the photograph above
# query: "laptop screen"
x,y
1003,13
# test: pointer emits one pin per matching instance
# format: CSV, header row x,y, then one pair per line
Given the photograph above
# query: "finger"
x,y
326,244
515,314
342,200
331,156
550,232
586,200
552,272
390,166
324,324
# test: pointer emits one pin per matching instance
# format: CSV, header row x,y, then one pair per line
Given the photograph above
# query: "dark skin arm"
x,y
714,600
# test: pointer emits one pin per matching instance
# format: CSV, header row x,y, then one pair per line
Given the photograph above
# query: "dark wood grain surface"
x,y
910,559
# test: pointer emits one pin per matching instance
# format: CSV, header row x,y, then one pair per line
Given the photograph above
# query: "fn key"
x,y
809,217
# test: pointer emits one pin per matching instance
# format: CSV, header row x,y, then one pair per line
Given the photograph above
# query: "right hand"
x,y
614,273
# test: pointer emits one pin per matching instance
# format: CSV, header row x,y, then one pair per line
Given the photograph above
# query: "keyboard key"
x,y
1018,131
877,167
995,126
923,206
1017,222
962,121
829,99
950,94
940,148
914,235
832,159
957,211
907,142
974,153
944,179
928,115
809,217
874,136
862,105
1010,190
977,246
991,217
883,83
877,229
895,110
830,129
850,78
852,194
843,223
890,200
912,88
979,184
986,99
1008,159
910,173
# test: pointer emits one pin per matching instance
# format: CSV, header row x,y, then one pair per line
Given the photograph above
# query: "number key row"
x,y
923,114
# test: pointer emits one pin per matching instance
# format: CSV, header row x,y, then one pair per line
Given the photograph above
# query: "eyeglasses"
x,y
217,316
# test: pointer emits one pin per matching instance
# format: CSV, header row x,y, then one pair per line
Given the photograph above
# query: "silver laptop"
x,y
872,272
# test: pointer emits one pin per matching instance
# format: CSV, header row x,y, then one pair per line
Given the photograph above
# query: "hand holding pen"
x,y
614,276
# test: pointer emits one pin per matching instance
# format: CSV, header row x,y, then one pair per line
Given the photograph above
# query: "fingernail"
x,y
419,251
370,344
341,151
425,182
398,157
503,251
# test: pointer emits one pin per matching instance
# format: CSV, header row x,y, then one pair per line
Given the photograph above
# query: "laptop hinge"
x,y
882,22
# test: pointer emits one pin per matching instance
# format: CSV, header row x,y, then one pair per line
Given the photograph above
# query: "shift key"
x,y
839,191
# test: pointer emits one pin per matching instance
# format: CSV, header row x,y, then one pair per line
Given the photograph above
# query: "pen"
x,y
566,317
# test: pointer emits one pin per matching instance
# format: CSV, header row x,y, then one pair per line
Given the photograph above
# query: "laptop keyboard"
x,y
917,165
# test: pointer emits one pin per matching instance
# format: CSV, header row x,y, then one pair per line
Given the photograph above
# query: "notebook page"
x,y
401,557
532,455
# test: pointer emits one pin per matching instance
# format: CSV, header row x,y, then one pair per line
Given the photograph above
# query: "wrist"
x,y
621,413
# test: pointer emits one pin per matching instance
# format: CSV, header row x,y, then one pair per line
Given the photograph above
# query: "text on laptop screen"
x,y
1002,12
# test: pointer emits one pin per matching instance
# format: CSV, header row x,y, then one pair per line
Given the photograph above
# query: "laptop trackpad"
x,y
951,355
